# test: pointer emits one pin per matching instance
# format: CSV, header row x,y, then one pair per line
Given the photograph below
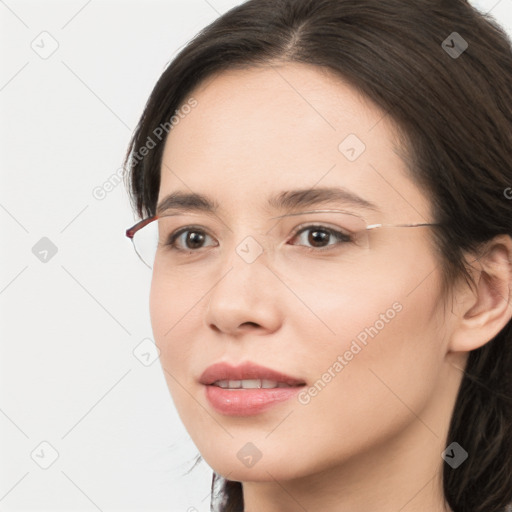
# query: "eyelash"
x,y
339,236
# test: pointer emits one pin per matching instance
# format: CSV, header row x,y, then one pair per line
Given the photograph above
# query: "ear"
x,y
484,311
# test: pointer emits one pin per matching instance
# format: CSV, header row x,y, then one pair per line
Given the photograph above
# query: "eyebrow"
x,y
289,200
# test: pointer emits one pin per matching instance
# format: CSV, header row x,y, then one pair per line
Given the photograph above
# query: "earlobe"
x,y
485,310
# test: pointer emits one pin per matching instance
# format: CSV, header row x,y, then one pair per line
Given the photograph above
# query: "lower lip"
x,y
247,402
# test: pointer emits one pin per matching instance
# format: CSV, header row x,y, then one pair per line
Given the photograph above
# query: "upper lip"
x,y
248,370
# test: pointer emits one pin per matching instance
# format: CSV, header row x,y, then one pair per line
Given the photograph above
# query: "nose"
x,y
247,297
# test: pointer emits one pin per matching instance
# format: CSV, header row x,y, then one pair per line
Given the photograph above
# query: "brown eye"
x,y
320,237
188,239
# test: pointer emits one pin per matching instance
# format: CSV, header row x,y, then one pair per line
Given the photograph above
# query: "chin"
x,y
264,470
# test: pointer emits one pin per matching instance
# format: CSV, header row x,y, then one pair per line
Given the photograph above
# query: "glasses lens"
x,y
145,242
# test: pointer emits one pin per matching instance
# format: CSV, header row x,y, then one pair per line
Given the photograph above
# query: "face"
x,y
361,326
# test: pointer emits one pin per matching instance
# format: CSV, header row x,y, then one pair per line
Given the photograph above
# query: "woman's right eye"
x,y
188,239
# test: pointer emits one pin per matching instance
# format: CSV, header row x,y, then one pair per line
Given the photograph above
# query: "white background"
x,y
69,326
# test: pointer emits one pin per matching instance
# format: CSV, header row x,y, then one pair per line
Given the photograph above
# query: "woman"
x,y
329,183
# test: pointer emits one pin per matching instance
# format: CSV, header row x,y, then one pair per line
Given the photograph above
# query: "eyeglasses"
x,y
332,236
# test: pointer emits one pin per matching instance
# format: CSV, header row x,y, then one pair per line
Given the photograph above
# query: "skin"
x,y
372,438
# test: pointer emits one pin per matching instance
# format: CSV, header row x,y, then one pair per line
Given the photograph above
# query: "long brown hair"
x,y
453,107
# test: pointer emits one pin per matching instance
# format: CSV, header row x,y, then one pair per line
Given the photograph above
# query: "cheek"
x,y
175,317
385,356
174,309
356,301
175,301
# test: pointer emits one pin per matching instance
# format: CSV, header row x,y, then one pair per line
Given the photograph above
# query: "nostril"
x,y
253,324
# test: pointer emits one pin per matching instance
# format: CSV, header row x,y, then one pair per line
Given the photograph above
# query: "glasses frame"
x,y
130,232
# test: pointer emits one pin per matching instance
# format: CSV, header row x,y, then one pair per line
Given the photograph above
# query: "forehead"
x,y
259,131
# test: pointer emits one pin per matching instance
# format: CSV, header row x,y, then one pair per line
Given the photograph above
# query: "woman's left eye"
x,y
320,237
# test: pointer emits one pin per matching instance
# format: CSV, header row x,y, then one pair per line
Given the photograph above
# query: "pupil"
x,y
194,240
317,237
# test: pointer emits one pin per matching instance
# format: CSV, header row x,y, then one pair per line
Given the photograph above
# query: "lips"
x,y
222,372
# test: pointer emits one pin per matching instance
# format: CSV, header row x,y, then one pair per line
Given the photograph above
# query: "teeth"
x,y
265,383
250,384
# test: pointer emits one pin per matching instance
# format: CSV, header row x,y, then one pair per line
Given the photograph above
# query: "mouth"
x,y
252,384
248,375
247,389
